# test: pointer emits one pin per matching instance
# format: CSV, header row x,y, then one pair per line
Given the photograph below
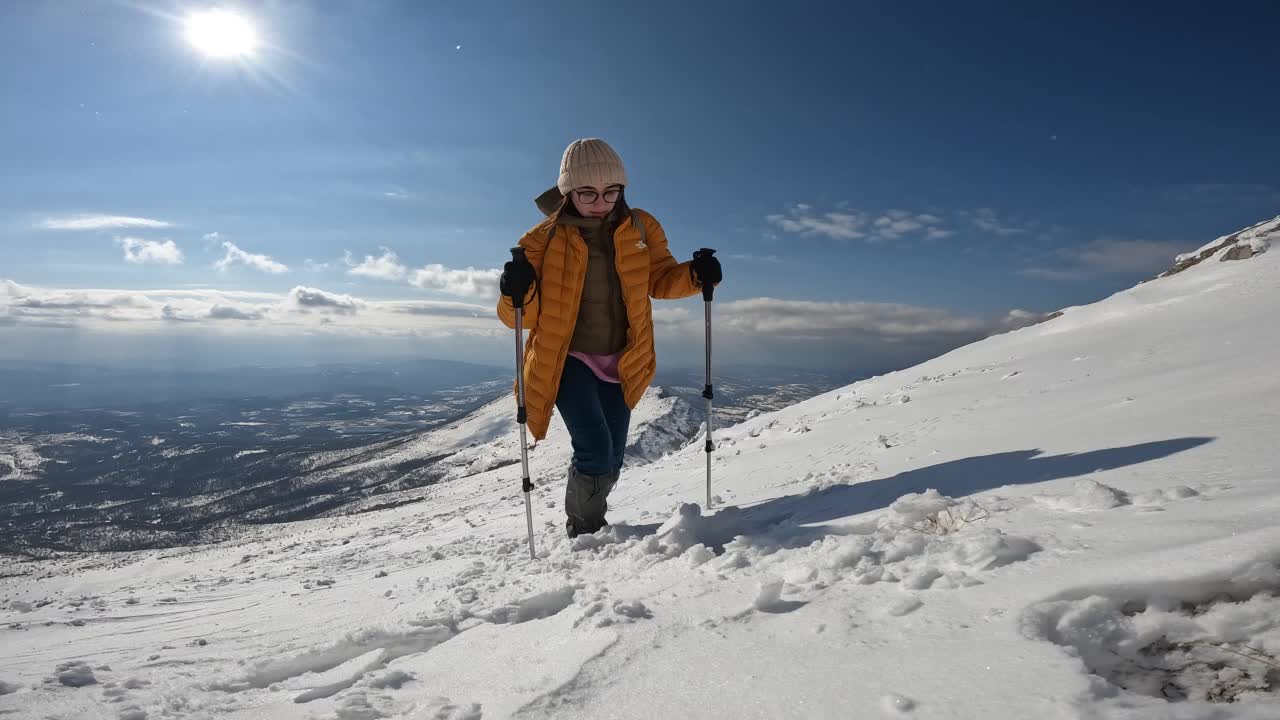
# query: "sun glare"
x,y
221,34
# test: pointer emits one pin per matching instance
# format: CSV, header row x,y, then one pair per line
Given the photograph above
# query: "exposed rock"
x,y
1247,243
1247,248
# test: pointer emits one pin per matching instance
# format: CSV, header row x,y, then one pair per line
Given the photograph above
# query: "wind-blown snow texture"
x,y
1074,520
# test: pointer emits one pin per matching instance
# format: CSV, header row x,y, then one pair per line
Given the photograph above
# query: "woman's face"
x,y
593,201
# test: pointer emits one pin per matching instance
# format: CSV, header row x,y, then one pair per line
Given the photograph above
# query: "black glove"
x,y
517,277
706,268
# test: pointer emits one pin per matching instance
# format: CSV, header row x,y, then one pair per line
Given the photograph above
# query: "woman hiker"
x,y
591,268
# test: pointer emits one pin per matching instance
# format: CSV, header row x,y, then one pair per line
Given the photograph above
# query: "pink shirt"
x,y
605,367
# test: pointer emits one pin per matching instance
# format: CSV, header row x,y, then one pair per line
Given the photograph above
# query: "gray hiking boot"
x,y
586,501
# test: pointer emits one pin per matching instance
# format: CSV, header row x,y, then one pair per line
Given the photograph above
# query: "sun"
x,y
221,34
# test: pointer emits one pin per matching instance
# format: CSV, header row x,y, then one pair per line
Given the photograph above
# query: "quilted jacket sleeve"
x,y
668,279
534,243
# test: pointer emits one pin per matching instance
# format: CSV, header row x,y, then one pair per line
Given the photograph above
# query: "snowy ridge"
x,y
1071,520
671,424
1240,245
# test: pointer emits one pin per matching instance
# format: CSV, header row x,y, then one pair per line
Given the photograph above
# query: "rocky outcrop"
x,y
1247,243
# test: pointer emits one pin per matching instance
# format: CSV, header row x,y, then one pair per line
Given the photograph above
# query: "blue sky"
x,y
882,180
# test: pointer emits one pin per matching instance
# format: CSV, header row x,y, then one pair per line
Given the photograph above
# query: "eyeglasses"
x,y
589,197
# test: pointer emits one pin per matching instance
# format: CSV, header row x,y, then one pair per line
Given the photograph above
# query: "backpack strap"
x,y
635,220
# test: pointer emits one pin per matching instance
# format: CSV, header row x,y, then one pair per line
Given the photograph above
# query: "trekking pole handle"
x,y
518,257
707,288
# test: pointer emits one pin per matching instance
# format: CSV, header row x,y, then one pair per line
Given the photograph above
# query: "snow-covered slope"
x,y
20,462
1073,520
488,439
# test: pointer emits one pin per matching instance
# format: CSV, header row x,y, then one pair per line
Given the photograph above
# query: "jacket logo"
x,y
640,244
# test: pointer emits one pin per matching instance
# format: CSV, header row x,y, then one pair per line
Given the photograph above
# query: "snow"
x,y
488,440
1085,495
1257,244
1071,520
1261,231
1203,249
19,461
1196,635
75,674
1257,238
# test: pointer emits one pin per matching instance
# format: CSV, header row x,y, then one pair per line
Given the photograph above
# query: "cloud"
x,y
19,296
803,220
469,282
668,315
1120,255
874,337
988,220
150,251
236,256
773,259
303,307
1018,318
172,314
814,320
849,224
314,266
786,317
214,312
896,223
305,299
385,267
302,311
440,309
1107,255
1045,273
870,337
101,222
227,312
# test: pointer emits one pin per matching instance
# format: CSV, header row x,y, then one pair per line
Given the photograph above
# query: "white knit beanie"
x,y
590,162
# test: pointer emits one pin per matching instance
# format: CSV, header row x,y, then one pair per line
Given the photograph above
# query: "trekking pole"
x,y
517,255
707,290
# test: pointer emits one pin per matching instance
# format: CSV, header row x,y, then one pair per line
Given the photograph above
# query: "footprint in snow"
x,y
1156,499
897,704
1168,640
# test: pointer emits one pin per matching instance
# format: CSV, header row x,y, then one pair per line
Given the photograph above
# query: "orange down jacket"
x,y
646,270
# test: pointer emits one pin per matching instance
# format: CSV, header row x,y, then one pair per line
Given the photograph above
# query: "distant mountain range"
x,y
116,459
41,387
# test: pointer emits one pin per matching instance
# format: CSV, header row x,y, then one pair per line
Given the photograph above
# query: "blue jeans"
x,y
597,417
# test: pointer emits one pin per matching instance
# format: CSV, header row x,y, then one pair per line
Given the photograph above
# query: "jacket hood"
x,y
550,201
